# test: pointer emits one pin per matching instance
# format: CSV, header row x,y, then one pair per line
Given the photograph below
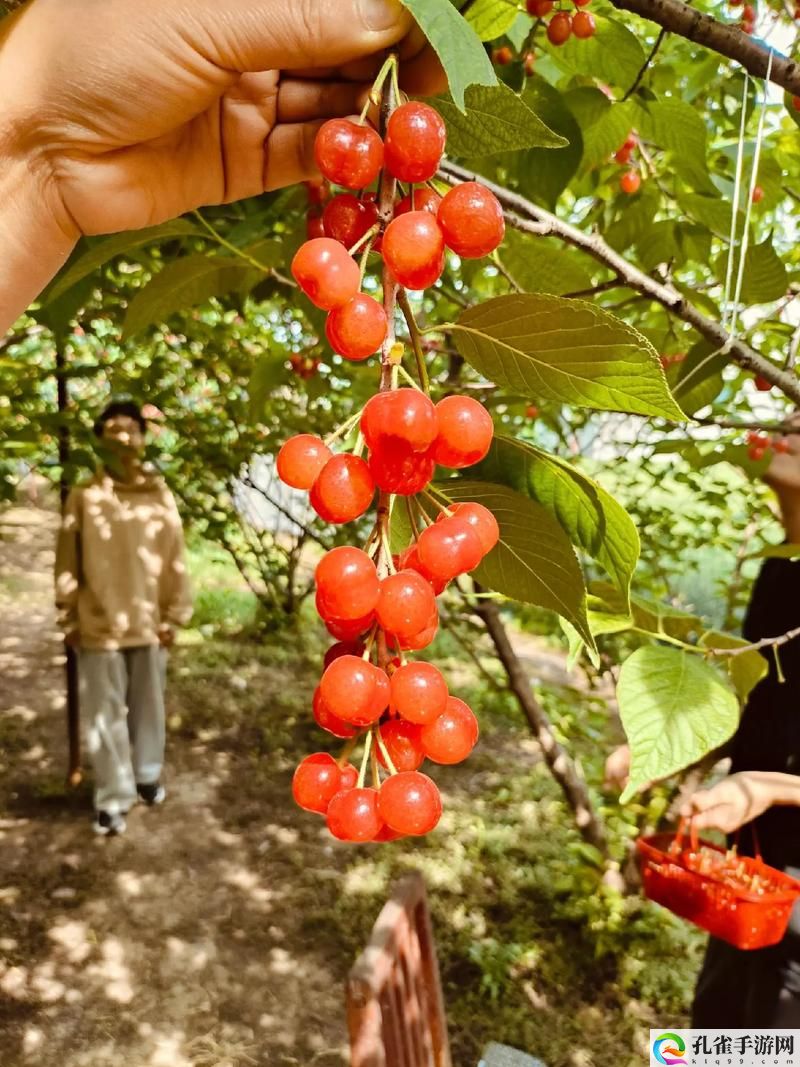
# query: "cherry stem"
x,y
346,752
364,760
364,238
372,98
412,518
376,776
362,263
365,655
416,340
345,428
385,753
442,507
410,380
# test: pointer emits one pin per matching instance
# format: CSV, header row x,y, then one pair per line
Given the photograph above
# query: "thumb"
x,y
306,34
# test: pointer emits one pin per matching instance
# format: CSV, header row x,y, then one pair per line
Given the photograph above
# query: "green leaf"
x,y
533,562
591,517
185,283
540,265
492,18
647,613
712,212
675,708
699,379
518,32
604,125
496,120
658,244
764,276
679,129
107,249
457,45
569,351
400,531
612,55
543,175
744,670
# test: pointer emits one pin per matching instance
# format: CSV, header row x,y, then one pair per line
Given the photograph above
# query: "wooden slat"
x,y
395,1008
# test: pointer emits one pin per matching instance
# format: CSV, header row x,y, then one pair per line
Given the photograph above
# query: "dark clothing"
x,y
761,987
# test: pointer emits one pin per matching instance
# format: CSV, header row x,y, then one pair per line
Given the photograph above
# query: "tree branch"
x,y
558,760
726,40
765,642
528,217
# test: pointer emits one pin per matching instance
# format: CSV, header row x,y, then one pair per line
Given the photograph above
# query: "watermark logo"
x,y
668,1049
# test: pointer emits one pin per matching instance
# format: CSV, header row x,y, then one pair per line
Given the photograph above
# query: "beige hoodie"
x,y
120,567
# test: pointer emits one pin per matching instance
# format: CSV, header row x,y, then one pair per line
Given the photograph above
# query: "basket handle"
x,y
756,845
677,845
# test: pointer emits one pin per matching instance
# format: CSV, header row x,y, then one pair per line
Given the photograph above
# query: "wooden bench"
x,y
395,1009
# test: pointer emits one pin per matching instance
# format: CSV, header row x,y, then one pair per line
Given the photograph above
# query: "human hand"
x,y
734,801
783,472
166,635
618,768
135,111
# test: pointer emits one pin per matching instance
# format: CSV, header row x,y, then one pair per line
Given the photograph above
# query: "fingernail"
x,y
381,14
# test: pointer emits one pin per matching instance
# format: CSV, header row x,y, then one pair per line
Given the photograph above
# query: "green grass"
x,y
222,601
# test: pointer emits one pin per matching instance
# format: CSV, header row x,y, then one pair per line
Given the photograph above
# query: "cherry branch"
x,y
765,642
727,40
528,217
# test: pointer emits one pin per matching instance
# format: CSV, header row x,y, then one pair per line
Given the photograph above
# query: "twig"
x,y
765,642
523,214
647,62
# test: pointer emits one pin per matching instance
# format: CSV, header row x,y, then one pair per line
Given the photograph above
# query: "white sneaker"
x,y
109,824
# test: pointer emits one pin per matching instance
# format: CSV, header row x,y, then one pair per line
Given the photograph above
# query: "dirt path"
x,y
160,949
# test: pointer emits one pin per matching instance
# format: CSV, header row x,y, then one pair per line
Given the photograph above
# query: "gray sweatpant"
x,y
122,701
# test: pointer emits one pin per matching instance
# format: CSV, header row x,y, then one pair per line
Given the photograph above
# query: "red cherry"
x,y
353,815
531,411
349,689
414,143
405,415
325,718
380,701
403,745
346,218
465,432
347,582
559,28
763,384
396,468
630,141
346,629
413,249
747,27
472,220
342,648
301,459
451,737
623,155
419,693
405,604
348,154
529,64
758,194
358,328
317,190
796,103
316,780
410,803
539,8
630,182
449,548
423,638
756,454
481,520
387,834
314,227
583,25
781,445
748,13
326,273
343,490
349,777
502,56
425,199
409,560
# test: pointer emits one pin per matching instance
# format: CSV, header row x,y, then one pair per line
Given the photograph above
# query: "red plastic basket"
x,y
684,880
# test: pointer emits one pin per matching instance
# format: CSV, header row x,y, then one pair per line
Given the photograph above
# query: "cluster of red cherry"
x,y
562,24
759,444
379,606
748,20
631,180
